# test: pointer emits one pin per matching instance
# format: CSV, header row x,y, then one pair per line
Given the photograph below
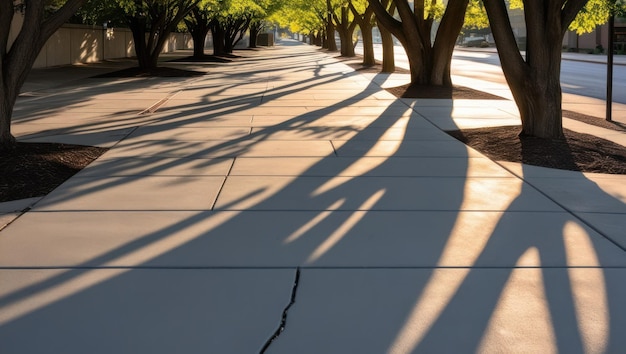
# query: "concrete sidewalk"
x,y
284,185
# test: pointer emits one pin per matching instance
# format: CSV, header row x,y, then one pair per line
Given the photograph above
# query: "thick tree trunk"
x,y
219,38
345,28
389,56
255,30
7,102
331,45
535,79
345,37
364,21
368,46
199,37
448,31
429,63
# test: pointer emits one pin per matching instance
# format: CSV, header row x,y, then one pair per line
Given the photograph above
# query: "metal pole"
x,y
609,70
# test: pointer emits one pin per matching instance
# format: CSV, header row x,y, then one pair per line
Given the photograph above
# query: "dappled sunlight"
x,y
314,222
434,297
459,247
588,289
341,231
522,314
358,168
75,281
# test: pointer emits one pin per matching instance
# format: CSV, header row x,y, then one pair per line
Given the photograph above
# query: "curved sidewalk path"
x,y
284,185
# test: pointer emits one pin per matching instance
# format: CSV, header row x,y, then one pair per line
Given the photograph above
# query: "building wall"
x,y
74,44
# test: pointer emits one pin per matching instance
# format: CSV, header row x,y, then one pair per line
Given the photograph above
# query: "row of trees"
x,y
534,78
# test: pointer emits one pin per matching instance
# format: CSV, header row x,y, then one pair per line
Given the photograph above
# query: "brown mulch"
x,y
578,152
35,169
458,92
161,71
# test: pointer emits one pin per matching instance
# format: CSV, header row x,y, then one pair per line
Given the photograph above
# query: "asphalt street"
x,y
577,77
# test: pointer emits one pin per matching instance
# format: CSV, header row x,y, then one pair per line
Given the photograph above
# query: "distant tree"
x,y
17,58
429,61
389,56
198,23
152,22
345,25
364,17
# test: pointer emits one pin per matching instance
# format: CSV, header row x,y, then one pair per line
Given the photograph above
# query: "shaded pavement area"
x,y
284,203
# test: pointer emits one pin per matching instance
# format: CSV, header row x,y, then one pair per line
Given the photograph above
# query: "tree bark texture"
x,y
429,62
389,57
198,24
346,29
535,80
152,28
365,24
331,45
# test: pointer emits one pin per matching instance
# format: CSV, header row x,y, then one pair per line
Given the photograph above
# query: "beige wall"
x,y
73,44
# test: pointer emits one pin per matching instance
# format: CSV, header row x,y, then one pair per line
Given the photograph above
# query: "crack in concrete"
x,y
283,321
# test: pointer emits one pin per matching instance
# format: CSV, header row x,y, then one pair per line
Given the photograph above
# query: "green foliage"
x,y
475,16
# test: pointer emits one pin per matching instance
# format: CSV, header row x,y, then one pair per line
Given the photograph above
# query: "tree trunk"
x,y
199,37
17,61
255,30
429,63
7,102
219,38
368,46
364,21
448,32
346,31
535,79
331,45
389,56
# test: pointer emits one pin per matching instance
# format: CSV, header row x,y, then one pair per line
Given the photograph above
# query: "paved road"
x,y
581,78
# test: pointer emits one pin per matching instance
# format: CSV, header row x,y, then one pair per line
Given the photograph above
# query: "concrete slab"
x,y
408,148
447,124
18,205
368,166
7,218
175,132
610,225
352,133
141,310
156,166
329,239
222,148
380,193
133,193
603,195
199,118
484,310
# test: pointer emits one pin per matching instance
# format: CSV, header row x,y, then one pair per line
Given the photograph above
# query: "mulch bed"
x,y
439,92
35,169
578,152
